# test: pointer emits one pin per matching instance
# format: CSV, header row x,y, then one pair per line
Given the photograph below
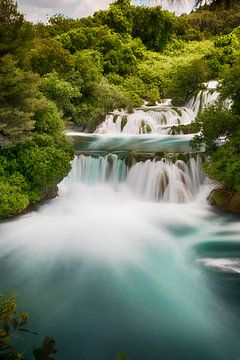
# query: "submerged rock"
x,y
51,193
225,199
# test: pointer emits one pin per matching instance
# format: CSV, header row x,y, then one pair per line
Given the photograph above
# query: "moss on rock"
x,y
225,199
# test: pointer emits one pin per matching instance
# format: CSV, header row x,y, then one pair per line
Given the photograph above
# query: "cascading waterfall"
x,y
159,119
92,171
204,98
161,180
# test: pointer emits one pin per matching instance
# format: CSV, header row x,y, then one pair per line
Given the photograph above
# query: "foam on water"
x,y
230,265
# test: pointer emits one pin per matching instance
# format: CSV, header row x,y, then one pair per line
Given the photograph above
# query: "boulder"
x,y
225,199
51,193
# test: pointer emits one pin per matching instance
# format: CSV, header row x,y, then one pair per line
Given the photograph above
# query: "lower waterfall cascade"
x,y
151,180
202,100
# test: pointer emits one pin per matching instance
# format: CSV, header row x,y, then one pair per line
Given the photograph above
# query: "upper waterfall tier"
x,y
146,129
159,119
150,180
146,121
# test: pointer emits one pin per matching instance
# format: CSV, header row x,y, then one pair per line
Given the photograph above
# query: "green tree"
x,y
47,55
220,132
61,92
18,98
119,17
231,86
187,79
13,193
89,67
11,22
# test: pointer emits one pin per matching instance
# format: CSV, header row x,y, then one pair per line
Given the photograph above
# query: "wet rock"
x,y
51,193
225,199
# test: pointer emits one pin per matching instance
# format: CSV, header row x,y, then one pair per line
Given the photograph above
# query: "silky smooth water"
x,y
103,270
138,143
129,258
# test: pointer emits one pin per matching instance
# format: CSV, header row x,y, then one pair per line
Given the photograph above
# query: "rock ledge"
x,y
225,199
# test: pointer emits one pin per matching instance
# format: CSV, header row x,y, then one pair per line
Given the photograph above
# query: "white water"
x,y
202,100
221,264
159,119
150,180
116,273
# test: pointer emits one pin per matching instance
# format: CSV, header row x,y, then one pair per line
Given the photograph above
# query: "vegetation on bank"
x,y
34,153
220,124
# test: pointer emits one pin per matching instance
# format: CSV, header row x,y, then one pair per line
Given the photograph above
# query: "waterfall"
x,y
202,100
92,171
151,180
147,121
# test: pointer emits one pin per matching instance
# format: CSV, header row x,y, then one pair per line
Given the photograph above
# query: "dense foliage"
x,y
220,124
221,132
34,153
219,18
